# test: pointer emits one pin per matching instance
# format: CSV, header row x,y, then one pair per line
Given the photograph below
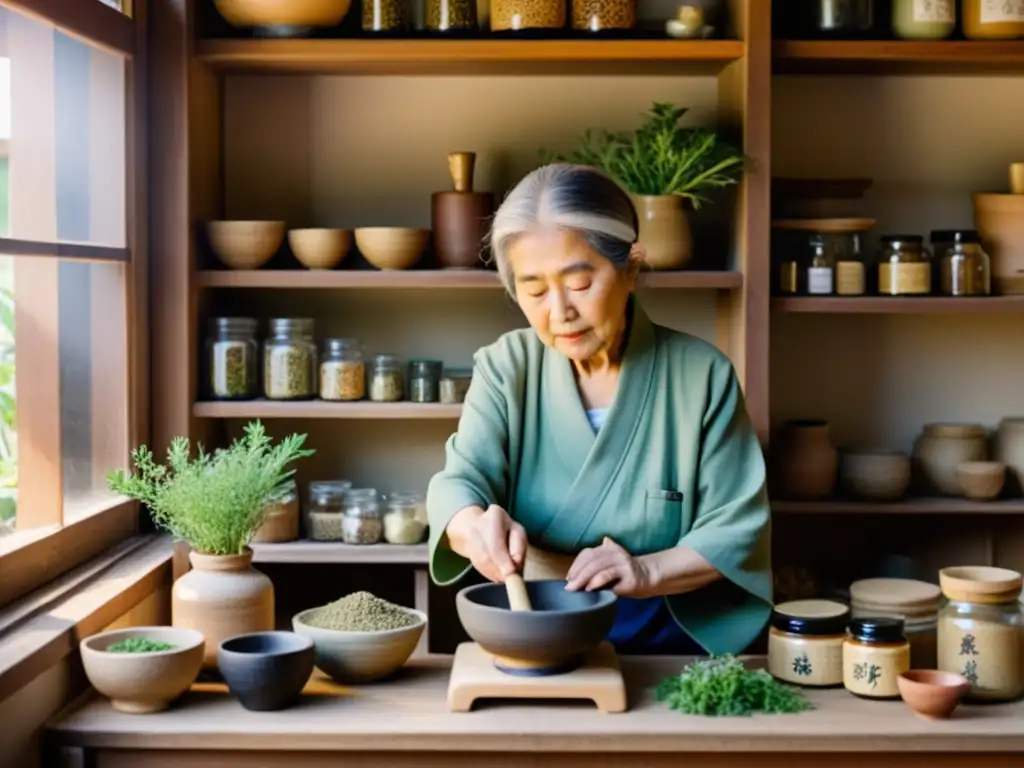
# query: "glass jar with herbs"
x,y
324,509
424,380
904,266
599,15
517,15
384,16
361,517
232,352
964,267
387,382
405,518
454,385
290,360
342,371
451,16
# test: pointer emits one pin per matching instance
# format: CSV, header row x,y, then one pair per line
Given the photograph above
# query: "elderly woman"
x,y
598,440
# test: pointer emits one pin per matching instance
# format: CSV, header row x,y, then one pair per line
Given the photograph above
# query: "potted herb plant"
x,y
663,166
216,502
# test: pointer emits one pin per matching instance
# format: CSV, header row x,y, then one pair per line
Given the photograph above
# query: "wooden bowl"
x,y
392,247
550,639
283,13
981,480
931,694
876,476
245,244
320,248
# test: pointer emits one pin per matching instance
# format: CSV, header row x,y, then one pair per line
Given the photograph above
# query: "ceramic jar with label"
x,y
980,630
806,463
805,642
875,654
993,19
941,448
904,266
1009,449
923,19
915,602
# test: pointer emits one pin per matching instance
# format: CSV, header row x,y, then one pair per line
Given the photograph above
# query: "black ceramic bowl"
x,y
266,670
550,639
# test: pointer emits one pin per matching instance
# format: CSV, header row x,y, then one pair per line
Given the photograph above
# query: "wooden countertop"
x,y
410,713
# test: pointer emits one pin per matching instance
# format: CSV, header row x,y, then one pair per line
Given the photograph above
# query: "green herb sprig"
x,y
723,686
215,501
139,645
660,157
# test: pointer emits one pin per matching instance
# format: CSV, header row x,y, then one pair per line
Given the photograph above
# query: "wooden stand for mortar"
x,y
461,218
474,676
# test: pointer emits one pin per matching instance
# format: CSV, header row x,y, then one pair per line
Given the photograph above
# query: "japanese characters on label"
x,y
995,11
934,10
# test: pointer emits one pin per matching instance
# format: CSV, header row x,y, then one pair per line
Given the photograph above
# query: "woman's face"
x,y
574,298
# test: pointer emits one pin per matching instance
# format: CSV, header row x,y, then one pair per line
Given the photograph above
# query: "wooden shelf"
x,y
456,278
468,57
895,305
884,57
319,409
336,552
939,506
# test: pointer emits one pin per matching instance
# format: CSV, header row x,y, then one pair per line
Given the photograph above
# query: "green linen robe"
x,y
676,462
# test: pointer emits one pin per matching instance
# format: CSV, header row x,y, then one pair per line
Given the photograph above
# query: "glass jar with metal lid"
x,y
290,360
904,266
405,518
424,381
805,642
875,653
361,519
387,383
232,352
324,508
916,602
980,630
342,371
964,267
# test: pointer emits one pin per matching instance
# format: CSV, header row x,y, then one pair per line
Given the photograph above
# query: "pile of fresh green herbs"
x,y
660,157
723,686
215,501
139,645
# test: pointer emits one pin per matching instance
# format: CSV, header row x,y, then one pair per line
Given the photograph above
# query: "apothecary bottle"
x,y
342,371
387,382
875,653
361,517
232,353
324,508
923,19
424,381
599,15
904,266
964,267
516,15
451,15
405,518
290,360
384,16
980,626
820,268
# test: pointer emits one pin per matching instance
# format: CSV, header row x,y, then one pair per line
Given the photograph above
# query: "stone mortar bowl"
x,y
551,639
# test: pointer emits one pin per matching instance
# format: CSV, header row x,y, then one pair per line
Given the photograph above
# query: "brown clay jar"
x,y
806,462
222,596
460,218
664,230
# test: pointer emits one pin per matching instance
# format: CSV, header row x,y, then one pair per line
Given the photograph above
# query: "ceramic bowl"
x,y
876,476
266,671
288,14
932,694
320,248
552,638
981,480
143,682
359,657
245,244
392,247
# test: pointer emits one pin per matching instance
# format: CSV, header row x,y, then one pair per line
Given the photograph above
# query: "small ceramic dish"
x,y
981,480
266,671
392,247
931,694
875,475
320,248
245,244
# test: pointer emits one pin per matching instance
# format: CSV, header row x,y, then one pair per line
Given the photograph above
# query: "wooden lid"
x,y
980,584
811,617
824,225
908,596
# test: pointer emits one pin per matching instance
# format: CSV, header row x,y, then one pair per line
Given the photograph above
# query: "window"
x,y
71,283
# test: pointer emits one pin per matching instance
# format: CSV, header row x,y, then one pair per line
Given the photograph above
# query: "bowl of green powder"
x,y
361,637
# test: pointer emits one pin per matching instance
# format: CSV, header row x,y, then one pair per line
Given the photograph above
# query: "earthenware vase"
x,y
461,218
941,448
806,462
222,596
664,230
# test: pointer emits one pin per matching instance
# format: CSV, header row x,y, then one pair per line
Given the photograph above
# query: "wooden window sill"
x,y
40,630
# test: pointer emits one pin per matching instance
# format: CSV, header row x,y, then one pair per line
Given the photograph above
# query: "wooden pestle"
x,y
518,598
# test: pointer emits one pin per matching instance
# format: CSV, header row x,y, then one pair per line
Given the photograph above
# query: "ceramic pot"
x,y
941,448
806,462
999,220
283,17
1009,449
461,218
221,597
266,671
664,230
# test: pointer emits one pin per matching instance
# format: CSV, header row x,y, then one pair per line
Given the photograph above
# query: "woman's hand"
x,y
490,539
610,564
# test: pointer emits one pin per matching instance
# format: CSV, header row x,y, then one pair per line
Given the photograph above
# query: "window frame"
x,y
48,547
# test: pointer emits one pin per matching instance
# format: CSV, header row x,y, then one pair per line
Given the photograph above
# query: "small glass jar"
x,y
324,509
805,642
916,602
361,518
964,267
820,268
875,653
451,15
516,15
842,18
384,16
598,15
980,626
405,518
282,518
993,19
904,266
424,381
923,19
454,385
387,384
342,371
232,352
290,360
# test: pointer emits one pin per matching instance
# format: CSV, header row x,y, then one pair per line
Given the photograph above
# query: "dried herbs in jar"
x,y
342,371
290,360
232,352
